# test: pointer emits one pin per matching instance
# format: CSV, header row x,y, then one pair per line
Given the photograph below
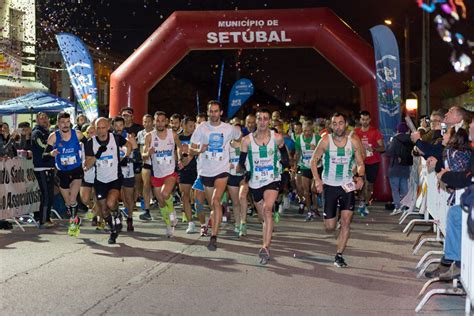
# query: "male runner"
x,y
145,190
64,145
211,142
305,145
265,153
338,152
103,151
160,147
126,164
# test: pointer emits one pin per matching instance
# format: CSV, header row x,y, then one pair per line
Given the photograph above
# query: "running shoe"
x,y
339,261
362,209
309,216
90,214
212,246
301,207
113,237
145,216
396,212
169,231
173,219
243,230
276,217
191,228
264,255
204,231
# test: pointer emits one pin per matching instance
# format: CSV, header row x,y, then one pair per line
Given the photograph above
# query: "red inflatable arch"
x,y
185,31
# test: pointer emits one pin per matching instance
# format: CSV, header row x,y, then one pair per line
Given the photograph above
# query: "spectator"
x,y
43,167
250,125
434,136
9,141
399,170
25,136
81,119
450,264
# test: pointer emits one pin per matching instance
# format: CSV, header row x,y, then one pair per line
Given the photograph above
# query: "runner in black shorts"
x,y
234,185
187,171
103,151
340,150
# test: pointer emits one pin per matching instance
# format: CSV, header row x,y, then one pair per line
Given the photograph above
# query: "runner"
x,y
372,140
63,144
262,151
146,169
88,181
234,186
211,142
338,151
188,173
160,147
103,151
126,164
305,145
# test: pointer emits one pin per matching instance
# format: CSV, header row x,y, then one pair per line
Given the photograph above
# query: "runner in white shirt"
x,y
146,169
160,146
214,137
264,154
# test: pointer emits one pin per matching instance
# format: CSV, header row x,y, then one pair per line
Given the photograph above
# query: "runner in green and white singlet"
x,y
338,152
305,145
264,154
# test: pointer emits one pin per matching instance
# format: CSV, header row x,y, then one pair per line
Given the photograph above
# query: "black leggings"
x,y
46,184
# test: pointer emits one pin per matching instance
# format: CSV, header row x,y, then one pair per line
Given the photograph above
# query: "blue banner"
x,y
241,91
80,68
387,64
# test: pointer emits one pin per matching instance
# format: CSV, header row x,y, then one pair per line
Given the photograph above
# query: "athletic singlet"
x,y
69,156
127,170
306,151
89,174
337,162
107,166
163,159
234,155
264,162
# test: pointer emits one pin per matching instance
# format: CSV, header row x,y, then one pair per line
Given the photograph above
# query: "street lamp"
x,y
287,103
387,21
411,105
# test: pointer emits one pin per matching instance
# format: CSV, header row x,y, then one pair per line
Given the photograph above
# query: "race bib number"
x,y
104,161
164,157
215,150
68,160
264,171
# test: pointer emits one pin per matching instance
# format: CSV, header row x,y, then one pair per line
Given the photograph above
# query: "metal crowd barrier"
x,y
430,202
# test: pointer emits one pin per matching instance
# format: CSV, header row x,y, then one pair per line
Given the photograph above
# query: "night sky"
x,y
301,76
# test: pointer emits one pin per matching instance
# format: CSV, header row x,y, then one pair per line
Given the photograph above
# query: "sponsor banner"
x,y
81,73
241,91
19,190
387,64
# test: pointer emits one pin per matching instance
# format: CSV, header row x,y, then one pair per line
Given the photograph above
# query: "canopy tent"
x,y
35,102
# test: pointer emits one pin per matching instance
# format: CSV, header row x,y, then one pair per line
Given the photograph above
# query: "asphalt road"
x,y
46,272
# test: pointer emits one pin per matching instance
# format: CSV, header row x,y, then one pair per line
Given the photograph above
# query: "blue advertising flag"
x,y
80,68
387,64
241,91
